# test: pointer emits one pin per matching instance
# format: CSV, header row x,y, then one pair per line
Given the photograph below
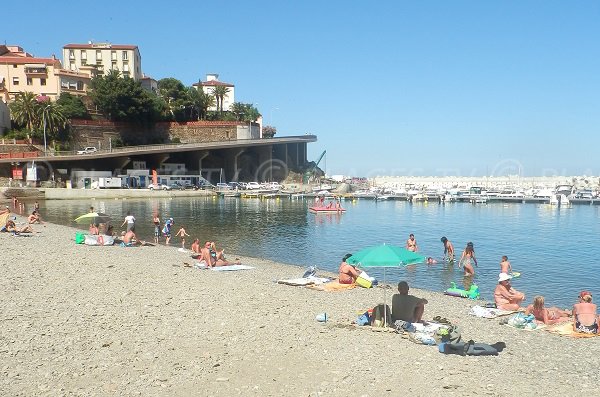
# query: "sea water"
x,y
555,249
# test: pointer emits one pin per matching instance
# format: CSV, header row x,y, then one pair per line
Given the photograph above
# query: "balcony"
x,y
35,69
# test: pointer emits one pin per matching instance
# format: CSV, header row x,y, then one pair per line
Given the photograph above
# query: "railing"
x,y
19,155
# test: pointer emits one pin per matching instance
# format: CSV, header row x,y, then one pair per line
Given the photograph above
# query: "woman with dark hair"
x,y
348,273
466,258
448,250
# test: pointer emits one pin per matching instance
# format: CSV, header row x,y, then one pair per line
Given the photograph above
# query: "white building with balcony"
x,y
103,57
208,86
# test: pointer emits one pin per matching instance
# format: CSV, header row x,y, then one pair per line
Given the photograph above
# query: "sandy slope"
x,y
79,320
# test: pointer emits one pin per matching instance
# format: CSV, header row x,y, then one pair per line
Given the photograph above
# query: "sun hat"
x,y
504,277
583,294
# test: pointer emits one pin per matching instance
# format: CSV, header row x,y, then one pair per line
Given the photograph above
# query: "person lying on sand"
x,y
11,227
550,315
213,258
505,296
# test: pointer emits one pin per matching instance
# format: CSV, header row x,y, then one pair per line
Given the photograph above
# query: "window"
x,y
15,65
72,54
124,55
113,55
29,81
42,81
72,65
98,55
79,85
15,80
113,65
125,67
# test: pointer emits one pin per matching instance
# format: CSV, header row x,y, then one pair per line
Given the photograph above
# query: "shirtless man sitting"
x,y
34,217
130,238
213,258
585,315
407,307
196,251
505,296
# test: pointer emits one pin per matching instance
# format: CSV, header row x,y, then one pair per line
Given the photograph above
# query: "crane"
x,y
311,170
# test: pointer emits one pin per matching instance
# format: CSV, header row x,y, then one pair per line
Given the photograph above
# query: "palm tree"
x,y
51,114
24,109
220,92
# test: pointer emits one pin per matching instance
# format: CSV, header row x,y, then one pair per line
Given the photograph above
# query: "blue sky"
x,y
389,87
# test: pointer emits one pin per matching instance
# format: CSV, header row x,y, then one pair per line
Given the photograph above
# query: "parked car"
x,y
203,185
253,186
158,186
223,186
272,186
176,186
87,150
235,185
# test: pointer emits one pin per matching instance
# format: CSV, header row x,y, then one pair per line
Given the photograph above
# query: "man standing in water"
x,y
448,250
411,243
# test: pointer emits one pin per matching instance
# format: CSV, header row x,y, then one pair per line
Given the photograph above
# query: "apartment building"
x,y
212,81
20,71
100,58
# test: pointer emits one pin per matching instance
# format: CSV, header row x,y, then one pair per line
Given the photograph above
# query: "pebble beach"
x,y
81,320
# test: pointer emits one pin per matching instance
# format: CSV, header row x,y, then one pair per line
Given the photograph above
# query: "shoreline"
x,y
124,321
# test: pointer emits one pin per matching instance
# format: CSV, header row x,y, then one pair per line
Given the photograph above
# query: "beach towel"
x,y
566,329
230,268
486,312
332,286
3,219
304,281
99,240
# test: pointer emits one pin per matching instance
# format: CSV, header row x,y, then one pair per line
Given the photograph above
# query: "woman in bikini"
x,y
347,273
466,258
584,314
550,315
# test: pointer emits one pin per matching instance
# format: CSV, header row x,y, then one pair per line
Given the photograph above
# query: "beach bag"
x,y
79,237
382,316
450,334
363,319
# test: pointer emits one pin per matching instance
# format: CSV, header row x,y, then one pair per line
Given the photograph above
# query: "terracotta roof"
x,y
103,46
213,83
24,60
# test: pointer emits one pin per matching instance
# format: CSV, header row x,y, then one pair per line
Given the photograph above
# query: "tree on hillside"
x,y
175,95
244,111
72,106
220,92
268,131
123,99
36,113
200,101
24,109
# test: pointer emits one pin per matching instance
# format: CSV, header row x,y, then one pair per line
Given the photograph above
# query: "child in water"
x,y
505,266
182,233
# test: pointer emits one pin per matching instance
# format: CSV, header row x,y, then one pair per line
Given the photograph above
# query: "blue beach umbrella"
x,y
385,256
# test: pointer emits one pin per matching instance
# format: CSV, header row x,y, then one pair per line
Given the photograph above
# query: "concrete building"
x,y
21,71
103,57
149,84
208,86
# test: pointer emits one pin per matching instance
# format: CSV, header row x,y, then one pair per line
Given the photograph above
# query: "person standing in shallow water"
x,y
411,243
467,260
448,250
156,222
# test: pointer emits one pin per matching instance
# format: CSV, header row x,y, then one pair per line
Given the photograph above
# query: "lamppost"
x,y
44,121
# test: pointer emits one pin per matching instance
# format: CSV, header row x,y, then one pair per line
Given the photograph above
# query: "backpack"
x,y
382,316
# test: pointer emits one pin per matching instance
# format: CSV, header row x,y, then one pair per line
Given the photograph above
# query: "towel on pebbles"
x,y
487,312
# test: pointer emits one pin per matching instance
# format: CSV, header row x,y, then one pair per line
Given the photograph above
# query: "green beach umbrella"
x,y
385,256
93,217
